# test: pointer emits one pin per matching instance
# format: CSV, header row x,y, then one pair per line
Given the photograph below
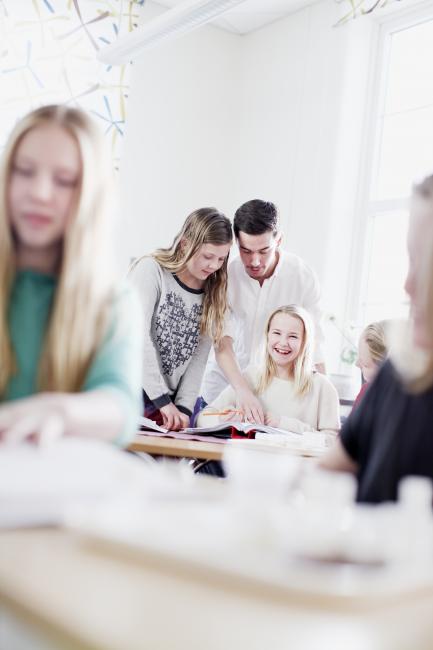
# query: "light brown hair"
x,y
203,226
375,336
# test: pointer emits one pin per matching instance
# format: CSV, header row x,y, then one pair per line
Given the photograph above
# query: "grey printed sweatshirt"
x,y
175,353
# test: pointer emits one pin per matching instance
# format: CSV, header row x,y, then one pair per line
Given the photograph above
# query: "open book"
x,y
224,429
147,424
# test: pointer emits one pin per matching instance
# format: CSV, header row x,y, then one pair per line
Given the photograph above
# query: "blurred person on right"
x,y
391,435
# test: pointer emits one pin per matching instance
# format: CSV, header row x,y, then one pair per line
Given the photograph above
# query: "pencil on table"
x,y
226,412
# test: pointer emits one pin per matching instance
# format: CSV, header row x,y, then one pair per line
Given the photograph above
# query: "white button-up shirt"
x,y
293,282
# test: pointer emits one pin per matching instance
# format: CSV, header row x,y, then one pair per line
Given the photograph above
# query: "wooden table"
x,y
180,448
59,592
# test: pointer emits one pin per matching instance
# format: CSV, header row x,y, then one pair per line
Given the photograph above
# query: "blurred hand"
x,y
173,419
272,420
250,405
39,418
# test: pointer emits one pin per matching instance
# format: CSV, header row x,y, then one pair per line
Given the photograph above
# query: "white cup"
x,y
259,472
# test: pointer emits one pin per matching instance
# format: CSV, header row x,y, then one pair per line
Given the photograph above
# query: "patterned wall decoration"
x,y
355,8
48,55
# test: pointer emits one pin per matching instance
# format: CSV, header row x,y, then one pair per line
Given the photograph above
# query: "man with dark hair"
x,y
261,279
256,217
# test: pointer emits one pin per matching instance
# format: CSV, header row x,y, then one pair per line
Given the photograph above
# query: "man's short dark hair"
x,y
255,218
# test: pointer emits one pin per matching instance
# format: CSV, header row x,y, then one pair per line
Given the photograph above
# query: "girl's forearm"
x,y
226,360
98,413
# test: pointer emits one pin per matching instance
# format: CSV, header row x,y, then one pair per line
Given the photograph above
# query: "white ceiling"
x,y
252,14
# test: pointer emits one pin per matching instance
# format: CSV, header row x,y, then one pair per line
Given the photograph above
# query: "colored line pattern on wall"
x,y
356,8
48,54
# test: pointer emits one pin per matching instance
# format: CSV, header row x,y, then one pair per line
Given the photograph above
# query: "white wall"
x,y
292,90
180,136
215,118
304,85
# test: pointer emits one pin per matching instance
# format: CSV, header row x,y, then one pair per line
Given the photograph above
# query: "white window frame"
x,y
366,209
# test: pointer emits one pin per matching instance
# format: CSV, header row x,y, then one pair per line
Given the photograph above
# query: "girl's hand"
x,y
231,416
272,420
250,405
173,419
40,418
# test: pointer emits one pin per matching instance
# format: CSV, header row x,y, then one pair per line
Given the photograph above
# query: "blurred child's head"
x,y
55,203
372,349
289,340
419,281
43,182
412,350
53,184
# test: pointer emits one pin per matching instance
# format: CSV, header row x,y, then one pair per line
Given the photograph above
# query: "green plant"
x,y
349,350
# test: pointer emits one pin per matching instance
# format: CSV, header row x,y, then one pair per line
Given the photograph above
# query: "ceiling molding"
x,y
252,14
175,22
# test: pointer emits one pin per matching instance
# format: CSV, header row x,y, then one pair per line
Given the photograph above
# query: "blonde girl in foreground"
x,y
391,435
183,295
293,396
67,360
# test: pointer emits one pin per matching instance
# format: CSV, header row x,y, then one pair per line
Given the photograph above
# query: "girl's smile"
x,y
36,219
281,351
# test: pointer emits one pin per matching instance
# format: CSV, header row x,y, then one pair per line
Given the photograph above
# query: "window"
x,y
401,153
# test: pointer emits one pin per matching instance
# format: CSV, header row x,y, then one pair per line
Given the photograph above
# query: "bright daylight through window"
x,y
402,154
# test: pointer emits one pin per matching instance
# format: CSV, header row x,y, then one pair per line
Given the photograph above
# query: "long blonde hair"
x,y
415,364
79,315
203,226
303,364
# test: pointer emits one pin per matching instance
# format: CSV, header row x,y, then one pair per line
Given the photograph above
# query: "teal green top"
x,y
116,365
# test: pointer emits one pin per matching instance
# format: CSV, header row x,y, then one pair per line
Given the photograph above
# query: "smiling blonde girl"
x,y
293,396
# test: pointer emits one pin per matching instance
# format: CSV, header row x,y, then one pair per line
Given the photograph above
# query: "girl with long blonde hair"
x,y
293,396
390,435
183,294
67,361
